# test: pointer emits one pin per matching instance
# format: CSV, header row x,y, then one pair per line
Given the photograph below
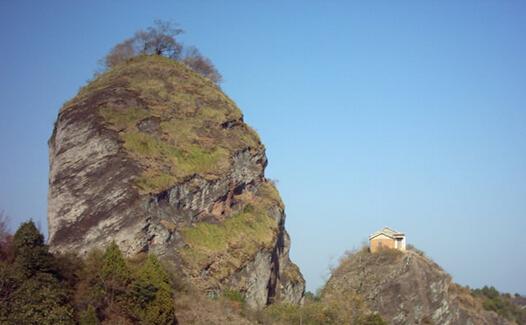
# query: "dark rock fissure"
x,y
273,281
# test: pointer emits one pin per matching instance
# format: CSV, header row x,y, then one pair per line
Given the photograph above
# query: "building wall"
x,y
381,241
401,245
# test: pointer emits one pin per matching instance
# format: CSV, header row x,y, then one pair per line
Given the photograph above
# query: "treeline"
x,y
161,39
37,287
504,304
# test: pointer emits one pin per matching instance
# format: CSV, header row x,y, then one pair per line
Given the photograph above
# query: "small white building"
x,y
387,238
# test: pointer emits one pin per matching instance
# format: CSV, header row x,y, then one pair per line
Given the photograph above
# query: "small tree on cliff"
x,y
202,65
121,52
159,39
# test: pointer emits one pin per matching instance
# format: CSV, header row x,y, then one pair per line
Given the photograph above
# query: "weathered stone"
x,y
119,134
407,288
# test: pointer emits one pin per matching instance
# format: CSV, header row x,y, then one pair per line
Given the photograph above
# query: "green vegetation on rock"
x,y
123,119
345,309
500,303
123,290
32,290
38,287
292,273
174,122
226,245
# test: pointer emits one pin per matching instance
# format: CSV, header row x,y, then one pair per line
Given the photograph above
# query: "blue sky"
x,y
410,114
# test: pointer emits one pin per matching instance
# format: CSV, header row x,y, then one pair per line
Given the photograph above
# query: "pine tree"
x,y
152,294
31,254
114,265
36,296
115,273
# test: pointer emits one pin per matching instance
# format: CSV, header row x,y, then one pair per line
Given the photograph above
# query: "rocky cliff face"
x,y
407,288
158,159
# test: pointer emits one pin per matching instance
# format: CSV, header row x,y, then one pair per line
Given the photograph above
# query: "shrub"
x,y
344,308
416,250
234,295
502,304
202,65
152,295
161,39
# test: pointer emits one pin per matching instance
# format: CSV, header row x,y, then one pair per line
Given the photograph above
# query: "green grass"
x,y
234,295
150,183
148,147
230,243
202,161
191,110
181,131
252,225
182,162
123,118
270,192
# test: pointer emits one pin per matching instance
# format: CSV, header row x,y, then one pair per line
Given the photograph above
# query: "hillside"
x,y
406,288
156,158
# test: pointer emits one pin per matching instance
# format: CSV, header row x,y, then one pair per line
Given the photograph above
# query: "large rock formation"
x,y
157,158
407,288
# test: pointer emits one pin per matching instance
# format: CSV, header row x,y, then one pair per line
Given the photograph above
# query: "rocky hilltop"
x,y
156,158
406,288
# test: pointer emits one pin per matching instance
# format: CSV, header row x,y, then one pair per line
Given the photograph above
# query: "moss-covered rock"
x,y
158,158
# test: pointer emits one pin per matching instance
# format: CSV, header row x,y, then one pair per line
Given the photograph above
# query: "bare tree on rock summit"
x,y
161,39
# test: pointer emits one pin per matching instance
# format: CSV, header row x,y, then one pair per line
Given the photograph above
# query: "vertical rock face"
x,y
407,288
158,159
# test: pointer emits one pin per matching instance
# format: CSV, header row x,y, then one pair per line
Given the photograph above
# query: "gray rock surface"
x,y
407,288
94,196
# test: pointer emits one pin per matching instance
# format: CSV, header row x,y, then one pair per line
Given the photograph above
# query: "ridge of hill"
x,y
407,288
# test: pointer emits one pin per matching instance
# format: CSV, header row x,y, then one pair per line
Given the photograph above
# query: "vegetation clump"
x,y
161,39
32,287
38,287
501,303
165,104
223,247
173,122
316,310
